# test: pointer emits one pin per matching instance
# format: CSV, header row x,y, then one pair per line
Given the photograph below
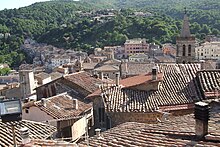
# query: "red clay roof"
x,y
209,81
47,143
140,79
36,131
61,106
177,88
176,107
84,80
174,131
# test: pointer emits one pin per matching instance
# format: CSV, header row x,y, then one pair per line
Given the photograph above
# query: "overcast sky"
x,y
11,4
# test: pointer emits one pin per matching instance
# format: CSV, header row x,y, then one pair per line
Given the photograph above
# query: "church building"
x,y
185,44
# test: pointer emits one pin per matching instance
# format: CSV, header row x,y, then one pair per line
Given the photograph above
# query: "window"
x,y
184,50
27,110
189,50
201,54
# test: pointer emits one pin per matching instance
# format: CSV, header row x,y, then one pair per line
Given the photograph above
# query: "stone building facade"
x,y
185,44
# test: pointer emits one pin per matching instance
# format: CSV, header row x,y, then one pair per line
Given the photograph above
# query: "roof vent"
x,y
117,79
98,133
43,101
25,135
154,73
75,104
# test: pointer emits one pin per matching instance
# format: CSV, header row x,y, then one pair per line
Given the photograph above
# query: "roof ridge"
x,y
73,73
61,94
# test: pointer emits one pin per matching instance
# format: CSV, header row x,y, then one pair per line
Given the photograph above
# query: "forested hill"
x,y
73,24
33,21
200,11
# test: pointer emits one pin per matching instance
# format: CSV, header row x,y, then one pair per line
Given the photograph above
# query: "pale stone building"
x,y
139,58
208,50
60,60
27,83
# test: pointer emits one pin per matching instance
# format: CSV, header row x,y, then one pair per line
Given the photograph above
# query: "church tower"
x,y
185,44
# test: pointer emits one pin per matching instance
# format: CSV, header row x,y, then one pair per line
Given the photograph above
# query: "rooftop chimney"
x,y
98,132
117,79
202,64
154,73
202,116
101,75
75,104
43,101
25,135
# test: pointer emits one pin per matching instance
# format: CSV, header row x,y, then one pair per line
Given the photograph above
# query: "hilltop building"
x,y
185,44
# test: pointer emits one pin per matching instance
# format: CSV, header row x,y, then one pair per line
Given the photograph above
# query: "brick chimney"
x,y
201,116
154,73
75,104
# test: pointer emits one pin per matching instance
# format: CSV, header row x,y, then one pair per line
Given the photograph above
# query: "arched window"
x,y
189,50
184,50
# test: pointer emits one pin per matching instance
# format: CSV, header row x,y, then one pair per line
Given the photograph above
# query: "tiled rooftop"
x,y
84,80
177,88
48,143
42,75
140,79
61,106
107,68
108,62
174,131
89,66
209,81
36,131
132,68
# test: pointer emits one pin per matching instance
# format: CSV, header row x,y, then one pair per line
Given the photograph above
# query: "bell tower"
x,y
185,43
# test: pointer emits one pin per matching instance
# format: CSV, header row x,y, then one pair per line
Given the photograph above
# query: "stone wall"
x,y
122,117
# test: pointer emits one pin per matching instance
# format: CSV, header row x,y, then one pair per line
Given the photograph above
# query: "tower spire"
x,y
185,32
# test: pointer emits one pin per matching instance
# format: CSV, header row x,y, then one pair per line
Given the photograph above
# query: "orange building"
x,y
134,46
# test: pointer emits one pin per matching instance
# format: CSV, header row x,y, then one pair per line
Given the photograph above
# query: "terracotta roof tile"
x,y
36,131
139,79
61,106
48,143
84,80
177,88
209,81
132,68
175,131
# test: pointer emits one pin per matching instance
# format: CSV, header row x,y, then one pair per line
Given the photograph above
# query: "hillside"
x,y
33,21
74,24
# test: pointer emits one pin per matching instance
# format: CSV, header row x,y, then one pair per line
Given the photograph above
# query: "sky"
x,y
11,4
